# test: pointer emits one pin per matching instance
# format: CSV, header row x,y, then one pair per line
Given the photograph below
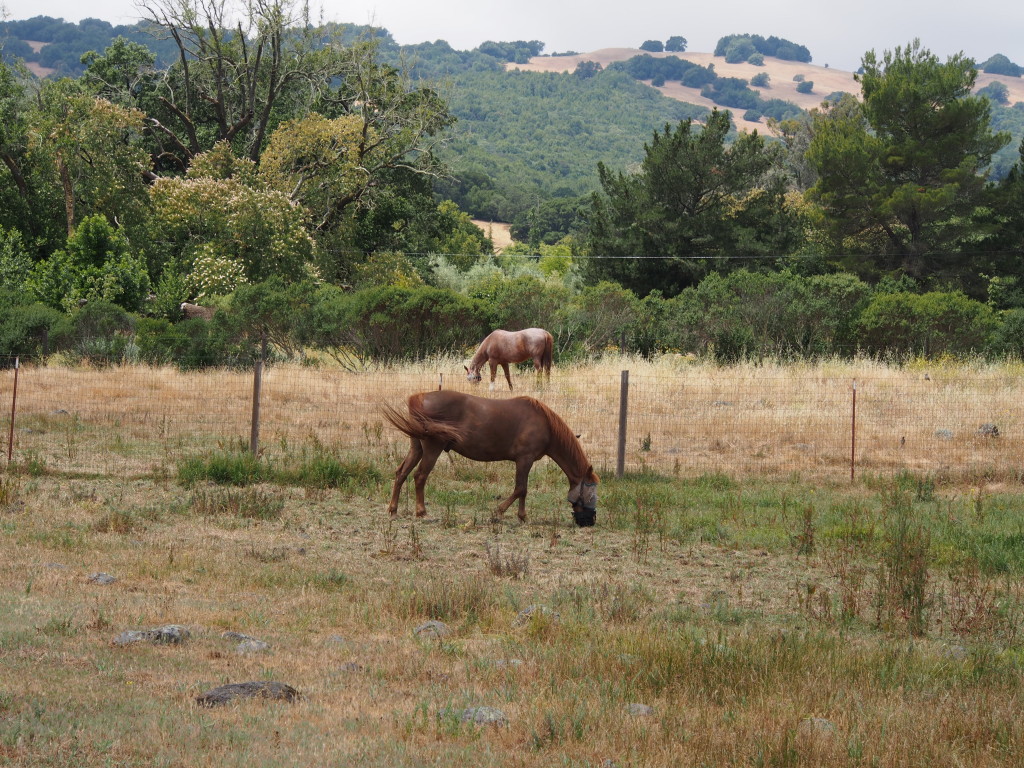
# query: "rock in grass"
x,y
476,715
432,628
169,634
639,710
247,643
102,578
259,689
816,728
532,612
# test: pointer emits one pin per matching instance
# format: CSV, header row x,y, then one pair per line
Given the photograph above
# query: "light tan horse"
x,y
520,429
504,347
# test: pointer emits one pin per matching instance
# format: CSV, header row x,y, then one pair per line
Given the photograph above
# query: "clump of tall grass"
x,y
319,470
324,470
223,468
904,595
250,503
509,564
440,597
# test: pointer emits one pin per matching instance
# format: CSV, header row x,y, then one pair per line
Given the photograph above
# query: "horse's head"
x,y
583,497
472,374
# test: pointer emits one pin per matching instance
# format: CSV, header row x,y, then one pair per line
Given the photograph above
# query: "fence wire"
x,y
687,421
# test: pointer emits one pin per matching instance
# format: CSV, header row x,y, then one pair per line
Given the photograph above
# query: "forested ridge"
x,y
316,183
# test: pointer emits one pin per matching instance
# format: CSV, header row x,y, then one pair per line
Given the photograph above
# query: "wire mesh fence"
x,y
687,420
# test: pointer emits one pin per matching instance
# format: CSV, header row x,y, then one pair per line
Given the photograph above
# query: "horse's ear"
x,y
466,367
579,435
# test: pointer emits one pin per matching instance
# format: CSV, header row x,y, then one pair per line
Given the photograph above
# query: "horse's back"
x,y
490,429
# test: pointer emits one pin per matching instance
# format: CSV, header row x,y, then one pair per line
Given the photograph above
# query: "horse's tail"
x,y
417,424
545,357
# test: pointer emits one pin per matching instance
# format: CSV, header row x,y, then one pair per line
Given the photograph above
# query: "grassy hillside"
x,y
781,73
524,136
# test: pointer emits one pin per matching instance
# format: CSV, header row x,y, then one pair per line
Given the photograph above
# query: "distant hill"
x,y
781,76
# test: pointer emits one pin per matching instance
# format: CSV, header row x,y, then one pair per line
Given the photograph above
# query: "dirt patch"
x,y
499,232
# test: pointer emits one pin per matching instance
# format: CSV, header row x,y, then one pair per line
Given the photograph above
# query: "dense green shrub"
x,y
1008,338
929,324
601,317
189,344
30,329
749,313
393,323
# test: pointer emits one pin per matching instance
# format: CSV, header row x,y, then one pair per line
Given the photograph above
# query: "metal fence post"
x,y
620,464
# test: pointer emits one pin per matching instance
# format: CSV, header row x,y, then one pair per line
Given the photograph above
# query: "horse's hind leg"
x,y
508,378
411,460
430,453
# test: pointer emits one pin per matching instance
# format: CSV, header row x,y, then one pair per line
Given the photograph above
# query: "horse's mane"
x,y
560,432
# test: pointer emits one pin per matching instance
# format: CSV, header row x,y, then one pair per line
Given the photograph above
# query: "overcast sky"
x,y
837,33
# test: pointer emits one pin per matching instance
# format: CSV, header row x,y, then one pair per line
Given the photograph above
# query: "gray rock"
x,y
260,689
476,715
239,636
526,615
102,578
988,430
944,434
816,728
246,643
432,628
508,663
639,710
252,645
170,634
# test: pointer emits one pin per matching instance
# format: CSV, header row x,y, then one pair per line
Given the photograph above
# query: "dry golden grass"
x,y
684,417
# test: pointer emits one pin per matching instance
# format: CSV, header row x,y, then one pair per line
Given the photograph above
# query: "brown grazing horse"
x,y
504,347
520,429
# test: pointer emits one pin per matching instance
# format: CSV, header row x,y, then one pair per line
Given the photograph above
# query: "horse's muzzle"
x,y
584,517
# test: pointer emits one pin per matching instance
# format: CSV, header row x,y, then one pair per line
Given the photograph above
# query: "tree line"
x,y
277,163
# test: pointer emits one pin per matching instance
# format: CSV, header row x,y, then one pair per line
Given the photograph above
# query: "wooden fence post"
x,y
620,464
853,431
14,400
257,388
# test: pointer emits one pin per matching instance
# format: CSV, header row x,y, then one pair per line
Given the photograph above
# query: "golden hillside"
x,y
781,73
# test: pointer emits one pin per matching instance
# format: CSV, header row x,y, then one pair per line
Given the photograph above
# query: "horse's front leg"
x,y
411,459
431,451
522,477
494,373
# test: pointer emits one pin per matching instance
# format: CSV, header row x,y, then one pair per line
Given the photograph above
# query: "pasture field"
x,y
781,618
